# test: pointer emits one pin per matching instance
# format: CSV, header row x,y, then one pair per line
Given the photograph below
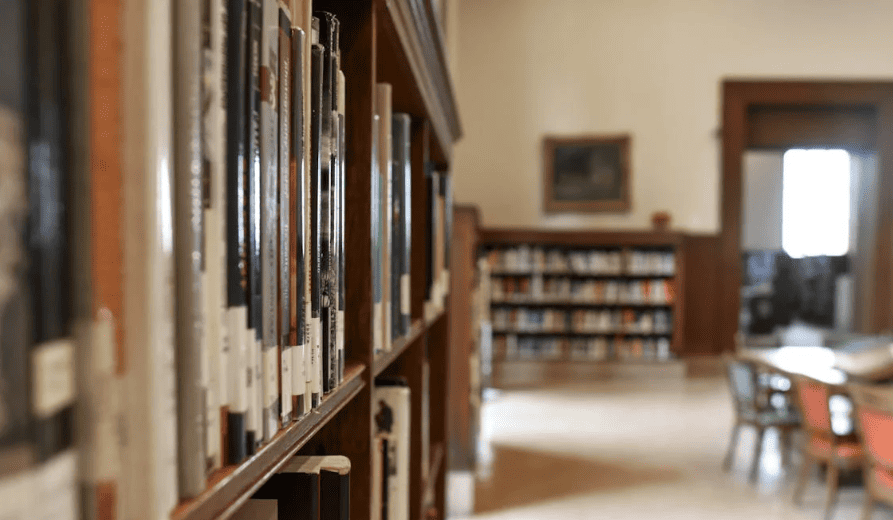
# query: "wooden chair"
x,y
874,418
822,444
753,408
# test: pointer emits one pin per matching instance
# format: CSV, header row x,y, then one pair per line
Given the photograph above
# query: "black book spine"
x,y
298,495
334,495
16,453
328,31
396,235
49,258
237,225
254,426
299,194
316,159
430,249
406,237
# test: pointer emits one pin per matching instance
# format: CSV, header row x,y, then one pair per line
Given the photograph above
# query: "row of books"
x,y
578,349
193,307
658,291
391,212
525,258
583,321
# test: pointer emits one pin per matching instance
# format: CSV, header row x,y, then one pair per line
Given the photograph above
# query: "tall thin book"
x,y
316,160
403,214
237,228
298,210
286,291
385,167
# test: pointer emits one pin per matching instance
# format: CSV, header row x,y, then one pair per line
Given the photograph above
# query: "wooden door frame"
x,y
738,97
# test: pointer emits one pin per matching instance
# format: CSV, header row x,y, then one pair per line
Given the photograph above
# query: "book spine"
x,y
237,227
188,238
315,221
430,241
214,178
298,225
101,361
16,450
326,202
342,176
50,277
446,179
254,426
385,165
286,291
270,216
149,465
403,128
375,232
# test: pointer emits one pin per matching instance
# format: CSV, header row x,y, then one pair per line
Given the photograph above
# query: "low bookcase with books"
x,y
224,259
582,298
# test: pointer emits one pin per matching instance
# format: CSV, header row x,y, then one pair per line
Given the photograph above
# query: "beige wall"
x,y
761,200
652,68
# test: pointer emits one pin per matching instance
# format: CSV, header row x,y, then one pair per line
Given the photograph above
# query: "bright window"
x,y
816,203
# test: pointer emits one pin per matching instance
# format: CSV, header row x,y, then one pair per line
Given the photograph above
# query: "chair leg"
x,y
758,454
805,466
733,443
833,482
785,444
867,507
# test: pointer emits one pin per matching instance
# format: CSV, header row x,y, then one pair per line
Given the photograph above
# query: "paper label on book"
x,y
376,328
53,377
238,389
56,488
285,378
339,343
299,379
101,457
404,294
316,356
17,495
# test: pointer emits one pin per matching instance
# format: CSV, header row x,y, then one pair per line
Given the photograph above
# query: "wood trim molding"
x,y
739,96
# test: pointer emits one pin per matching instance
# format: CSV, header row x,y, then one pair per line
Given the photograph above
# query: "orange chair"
x,y
874,414
839,450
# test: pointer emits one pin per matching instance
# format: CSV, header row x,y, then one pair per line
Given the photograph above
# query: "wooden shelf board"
x,y
433,319
384,360
606,362
575,303
503,332
230,487
579,274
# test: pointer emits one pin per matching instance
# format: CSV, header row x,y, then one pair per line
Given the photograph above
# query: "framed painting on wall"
x,y
586,174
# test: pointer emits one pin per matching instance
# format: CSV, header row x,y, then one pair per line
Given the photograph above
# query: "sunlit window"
x,y
816,203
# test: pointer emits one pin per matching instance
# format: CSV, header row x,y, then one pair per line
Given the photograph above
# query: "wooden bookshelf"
x,y
624,343
397,42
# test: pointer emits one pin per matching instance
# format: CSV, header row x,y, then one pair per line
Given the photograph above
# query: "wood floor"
x,y
632,450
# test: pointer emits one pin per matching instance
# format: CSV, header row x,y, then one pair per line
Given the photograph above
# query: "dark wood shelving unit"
x,y
382,41
568,241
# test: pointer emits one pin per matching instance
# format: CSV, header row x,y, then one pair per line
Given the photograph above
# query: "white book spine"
x,y
252,424
18,495
56,489
308,360
149,462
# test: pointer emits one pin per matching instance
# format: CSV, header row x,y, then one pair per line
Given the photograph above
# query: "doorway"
x,y
775,116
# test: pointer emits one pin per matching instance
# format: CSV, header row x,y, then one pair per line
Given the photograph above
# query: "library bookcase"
x,y
570,304
397,42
